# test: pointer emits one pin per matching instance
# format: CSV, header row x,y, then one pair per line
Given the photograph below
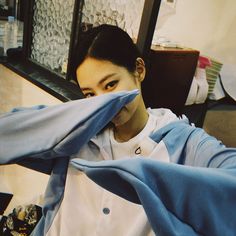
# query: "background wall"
x,y
206,25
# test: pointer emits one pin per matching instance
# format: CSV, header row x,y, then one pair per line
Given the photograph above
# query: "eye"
x,y
88,95
111,85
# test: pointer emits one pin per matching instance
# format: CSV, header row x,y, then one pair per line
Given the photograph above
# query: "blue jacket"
x,y
43,138
180,198
186,199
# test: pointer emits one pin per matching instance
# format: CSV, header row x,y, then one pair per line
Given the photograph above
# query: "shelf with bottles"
x,y
11,34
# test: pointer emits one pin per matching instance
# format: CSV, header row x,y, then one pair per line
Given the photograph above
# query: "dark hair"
x,y
106,42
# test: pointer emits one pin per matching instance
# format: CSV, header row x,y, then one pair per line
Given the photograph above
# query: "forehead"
x,y
91,71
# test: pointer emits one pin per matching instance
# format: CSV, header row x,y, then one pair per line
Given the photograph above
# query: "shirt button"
x,y
106,211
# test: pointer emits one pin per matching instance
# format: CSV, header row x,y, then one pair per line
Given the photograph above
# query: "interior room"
x,y
188,47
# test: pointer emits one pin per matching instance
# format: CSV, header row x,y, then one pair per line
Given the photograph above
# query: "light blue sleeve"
x,y
206,151
192,146
183,197
56,131
178,199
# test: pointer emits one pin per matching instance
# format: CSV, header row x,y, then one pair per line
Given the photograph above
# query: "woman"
x,y
106,62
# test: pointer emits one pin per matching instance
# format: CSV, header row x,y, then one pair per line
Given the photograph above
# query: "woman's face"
x,y
97,77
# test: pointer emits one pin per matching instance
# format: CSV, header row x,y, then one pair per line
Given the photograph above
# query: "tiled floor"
x,y
222,125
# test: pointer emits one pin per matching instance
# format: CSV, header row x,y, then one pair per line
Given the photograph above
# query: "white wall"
x,y
206,25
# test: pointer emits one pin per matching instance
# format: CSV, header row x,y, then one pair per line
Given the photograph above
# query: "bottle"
x,y
10,34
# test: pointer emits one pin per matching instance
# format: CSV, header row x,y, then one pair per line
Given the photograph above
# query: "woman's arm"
x,y
56,131
188,145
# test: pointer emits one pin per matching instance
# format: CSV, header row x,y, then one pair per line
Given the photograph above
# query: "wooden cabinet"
x,y
169,76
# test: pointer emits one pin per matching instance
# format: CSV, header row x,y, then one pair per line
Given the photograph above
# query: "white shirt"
x,y
140,145
89,210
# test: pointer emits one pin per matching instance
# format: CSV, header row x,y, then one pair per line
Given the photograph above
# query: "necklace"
x,y
138,150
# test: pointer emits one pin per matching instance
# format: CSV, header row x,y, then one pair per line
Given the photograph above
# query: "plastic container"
x,y
10,34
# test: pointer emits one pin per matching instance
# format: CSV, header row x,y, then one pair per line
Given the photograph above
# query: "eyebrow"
x,y
101,81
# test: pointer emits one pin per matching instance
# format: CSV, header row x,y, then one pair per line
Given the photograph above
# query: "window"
x,y
51,32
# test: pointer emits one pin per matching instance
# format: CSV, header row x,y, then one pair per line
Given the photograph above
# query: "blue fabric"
x,y
56,131
178,200
53,196
192,146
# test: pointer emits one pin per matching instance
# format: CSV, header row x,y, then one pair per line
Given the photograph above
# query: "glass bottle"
x,y
10,34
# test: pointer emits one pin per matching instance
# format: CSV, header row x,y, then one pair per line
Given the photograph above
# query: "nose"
x,y
100,92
